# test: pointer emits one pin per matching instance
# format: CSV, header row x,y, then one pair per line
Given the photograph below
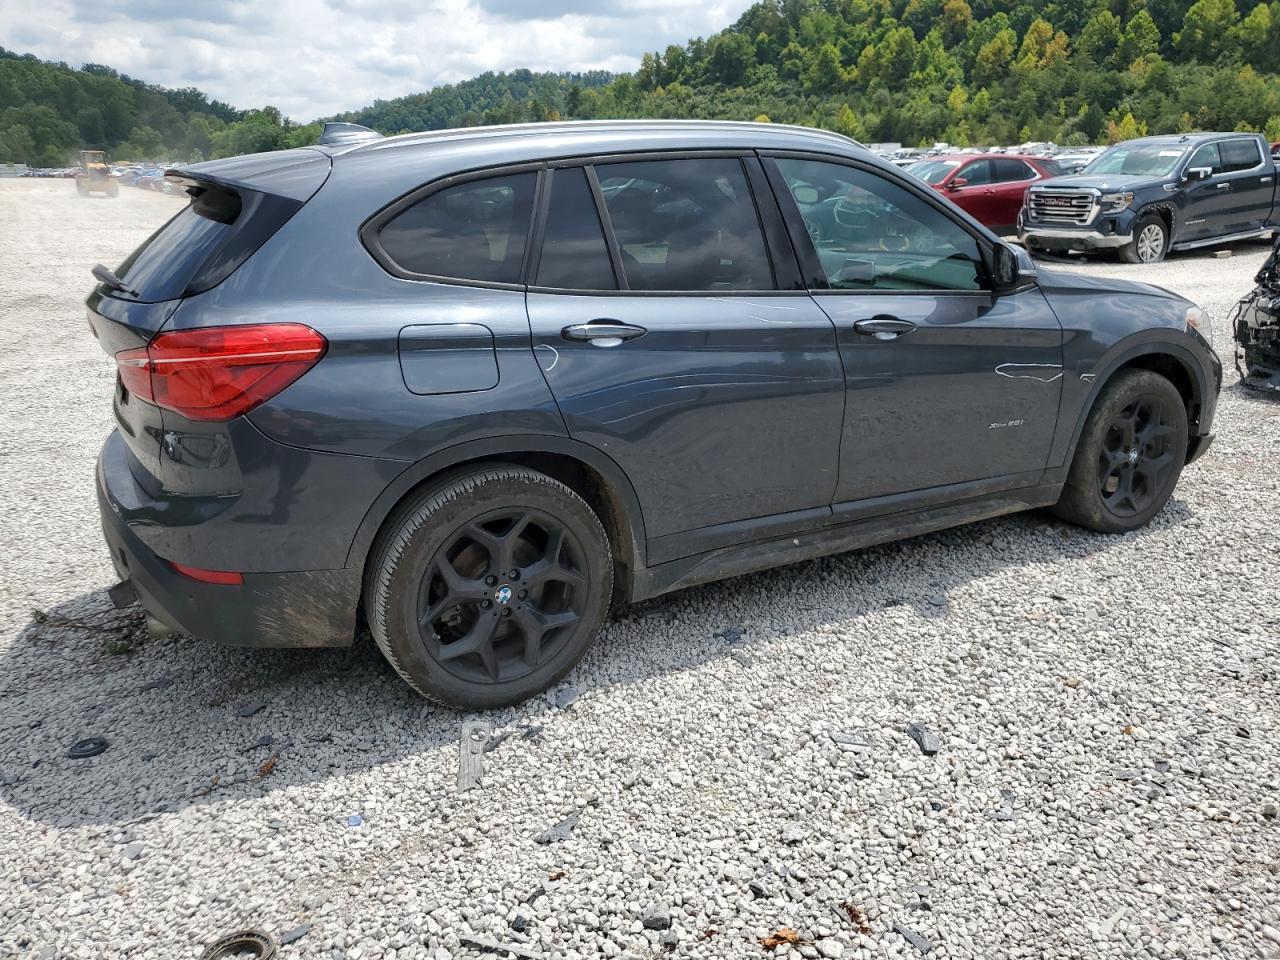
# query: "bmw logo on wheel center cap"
x,y
503,594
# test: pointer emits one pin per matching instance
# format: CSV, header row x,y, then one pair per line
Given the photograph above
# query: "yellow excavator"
x,y
94,176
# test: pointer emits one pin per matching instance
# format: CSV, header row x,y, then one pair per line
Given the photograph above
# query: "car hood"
x,y
1106,182
1064,281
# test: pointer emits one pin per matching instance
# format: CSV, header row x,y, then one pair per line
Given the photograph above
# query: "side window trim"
x,y
807,255
368,231
610,238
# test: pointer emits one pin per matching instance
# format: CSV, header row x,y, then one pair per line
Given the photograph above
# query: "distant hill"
x,y
519,96
913,71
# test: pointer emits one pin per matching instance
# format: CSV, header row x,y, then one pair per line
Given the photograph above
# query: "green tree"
x,y
1207,30
1141,38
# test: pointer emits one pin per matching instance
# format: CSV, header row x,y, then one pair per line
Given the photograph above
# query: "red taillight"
x,y
225,577
218,373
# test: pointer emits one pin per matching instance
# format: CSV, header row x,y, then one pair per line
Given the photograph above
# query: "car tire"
x,y
1130,454
447,613
1150,241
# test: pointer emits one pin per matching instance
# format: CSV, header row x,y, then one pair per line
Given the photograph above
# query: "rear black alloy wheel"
x,y
498,597
1135,456
1129,456
488,586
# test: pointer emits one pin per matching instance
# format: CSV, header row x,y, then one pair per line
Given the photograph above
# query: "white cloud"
x,y
313,58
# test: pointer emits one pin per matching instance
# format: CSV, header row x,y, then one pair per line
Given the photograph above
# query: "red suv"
x,y
989,187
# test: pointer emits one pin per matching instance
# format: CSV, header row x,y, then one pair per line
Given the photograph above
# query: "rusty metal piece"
x,y
257,944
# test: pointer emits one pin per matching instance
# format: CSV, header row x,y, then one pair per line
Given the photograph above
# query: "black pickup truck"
x,y
1146,197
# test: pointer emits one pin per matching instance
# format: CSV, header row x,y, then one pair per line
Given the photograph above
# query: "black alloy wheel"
x,y
498,596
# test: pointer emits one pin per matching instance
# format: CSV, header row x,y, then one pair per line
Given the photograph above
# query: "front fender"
x,y
1087,372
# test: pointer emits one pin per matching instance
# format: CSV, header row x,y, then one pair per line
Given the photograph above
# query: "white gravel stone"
x,y
699,765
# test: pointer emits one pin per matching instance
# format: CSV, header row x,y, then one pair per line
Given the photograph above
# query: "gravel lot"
x,y
1107,709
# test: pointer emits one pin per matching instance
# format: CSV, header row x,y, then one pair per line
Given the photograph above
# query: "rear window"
x,y
203,243
474,230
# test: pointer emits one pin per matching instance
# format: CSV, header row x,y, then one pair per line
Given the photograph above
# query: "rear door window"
x,y
1010,170
574,254
687,224
1239,155
474,230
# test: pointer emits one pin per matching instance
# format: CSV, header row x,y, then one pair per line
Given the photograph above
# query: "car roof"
x,y
620,136
983,156
1187,139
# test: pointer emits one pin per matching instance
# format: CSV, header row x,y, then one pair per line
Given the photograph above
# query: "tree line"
x,y
912,71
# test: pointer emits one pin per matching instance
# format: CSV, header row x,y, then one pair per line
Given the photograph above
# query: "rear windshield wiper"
x,y
111,281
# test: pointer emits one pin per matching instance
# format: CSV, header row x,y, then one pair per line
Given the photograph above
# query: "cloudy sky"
x,y
311,58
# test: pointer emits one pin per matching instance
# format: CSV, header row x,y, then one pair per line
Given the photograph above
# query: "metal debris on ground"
x,y
925,738
242,944
913,938
297,933
851,741
496,740
88,747
259,743
531,730
561,830
498,946
475,737
249,709
535,893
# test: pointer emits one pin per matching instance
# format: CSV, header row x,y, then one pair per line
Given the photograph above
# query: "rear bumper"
x,y
314,608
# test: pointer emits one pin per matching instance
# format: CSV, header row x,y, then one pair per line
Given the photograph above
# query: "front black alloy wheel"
x,y
1135,456
1129,456
488,587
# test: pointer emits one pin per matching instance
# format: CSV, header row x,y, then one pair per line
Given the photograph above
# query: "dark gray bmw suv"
x,y
472,386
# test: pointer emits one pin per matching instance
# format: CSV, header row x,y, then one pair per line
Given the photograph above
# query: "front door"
x,y
1205,202
947,383
668,346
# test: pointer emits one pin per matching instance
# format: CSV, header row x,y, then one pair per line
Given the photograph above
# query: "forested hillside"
x,y
965,71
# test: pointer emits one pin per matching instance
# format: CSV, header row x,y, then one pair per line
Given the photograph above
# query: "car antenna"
x,y
111,281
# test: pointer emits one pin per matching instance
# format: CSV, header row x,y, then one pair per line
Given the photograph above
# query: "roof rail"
x,y
342,133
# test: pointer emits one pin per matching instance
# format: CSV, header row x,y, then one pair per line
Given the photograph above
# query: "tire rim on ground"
x,y
1150,243
1136,456
501,597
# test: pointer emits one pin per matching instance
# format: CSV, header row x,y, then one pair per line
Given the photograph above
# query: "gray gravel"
x,y
736,755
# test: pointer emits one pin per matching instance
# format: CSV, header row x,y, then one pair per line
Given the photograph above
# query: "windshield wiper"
x,y
111,281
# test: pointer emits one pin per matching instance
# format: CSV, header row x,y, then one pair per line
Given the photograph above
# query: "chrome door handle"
x,y
602,333
1223,186
884,327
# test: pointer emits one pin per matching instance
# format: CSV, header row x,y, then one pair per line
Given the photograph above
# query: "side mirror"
x,y
1199,173
805,194
957,183
1010,266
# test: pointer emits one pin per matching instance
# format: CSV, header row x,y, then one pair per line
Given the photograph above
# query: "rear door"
x,y
1250,174
669,321
948,384
1011,177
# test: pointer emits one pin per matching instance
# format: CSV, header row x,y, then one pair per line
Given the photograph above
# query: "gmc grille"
x,y
1061,206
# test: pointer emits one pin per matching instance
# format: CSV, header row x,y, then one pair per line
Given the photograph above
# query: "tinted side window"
x,y
975,173
1008,171
1206,156
471,231
872,234
686,225
1239,155
574,254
